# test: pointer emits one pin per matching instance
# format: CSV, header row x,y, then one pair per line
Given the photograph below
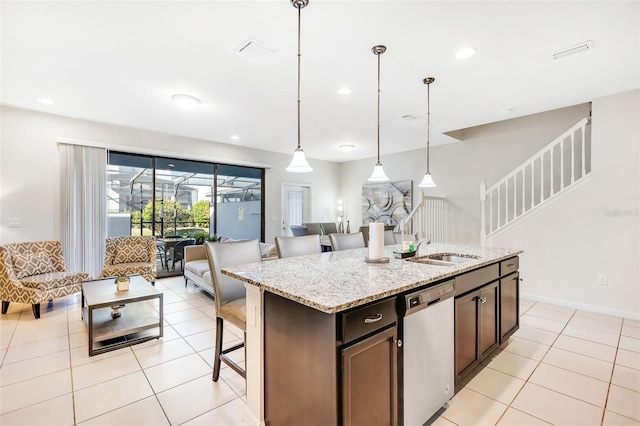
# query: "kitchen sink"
x,y
443,259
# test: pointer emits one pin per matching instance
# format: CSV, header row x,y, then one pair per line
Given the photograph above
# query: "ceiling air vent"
x,y
256,50
572,50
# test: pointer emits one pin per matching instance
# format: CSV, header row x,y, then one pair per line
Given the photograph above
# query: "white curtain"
x,y
83,192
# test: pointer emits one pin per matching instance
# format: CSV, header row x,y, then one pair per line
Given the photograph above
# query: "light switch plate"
x,y
15,222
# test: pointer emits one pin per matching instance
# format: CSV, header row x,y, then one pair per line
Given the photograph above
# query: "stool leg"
x,y
5,306
36,310
218,350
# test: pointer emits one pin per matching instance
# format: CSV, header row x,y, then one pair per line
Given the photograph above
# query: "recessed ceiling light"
x,y
347,147
235,137
344,91
507,111
465,52
186,101
46,101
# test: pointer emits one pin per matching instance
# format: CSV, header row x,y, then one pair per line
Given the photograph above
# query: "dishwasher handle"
x,y
372,318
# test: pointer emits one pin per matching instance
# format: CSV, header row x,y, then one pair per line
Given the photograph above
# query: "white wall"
x,y
29,170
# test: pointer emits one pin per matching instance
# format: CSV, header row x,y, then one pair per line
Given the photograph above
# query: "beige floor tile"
x,y
78,339
496,385
206,340
614,419
592,335
538,311
183,316
80,355
176,372
180,405
597,324
229,414
632,323
536,335
208,310
626,377
2,352
526,348
624,401
575,385
542,323
52,412
76,326
230,328
196,326
580,364
628,358
168,334
514,365
110,395
170,297
599,316
34,367
585,347
146,412
162,352
555,408
36,349
629,343
35,335
33,391
471,408
552,307
631,331
513,417
182,305
234,380
106,369
441,421
204,300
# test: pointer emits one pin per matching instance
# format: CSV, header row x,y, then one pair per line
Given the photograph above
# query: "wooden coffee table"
x,y
138,320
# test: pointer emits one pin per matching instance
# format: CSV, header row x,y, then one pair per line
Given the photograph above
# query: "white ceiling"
x,y
119,62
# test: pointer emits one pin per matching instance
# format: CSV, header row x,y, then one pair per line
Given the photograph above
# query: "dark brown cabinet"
x,y
509,306
476,328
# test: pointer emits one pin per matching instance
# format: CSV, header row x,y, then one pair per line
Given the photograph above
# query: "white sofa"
x,y
196,265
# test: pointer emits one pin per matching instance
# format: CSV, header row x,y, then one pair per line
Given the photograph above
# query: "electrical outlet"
x,y
602,279
15,222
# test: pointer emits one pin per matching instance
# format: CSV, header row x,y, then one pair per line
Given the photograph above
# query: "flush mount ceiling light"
x,y
299,162
572,50
378,174
465,52
186,101
46,101
347,147
344,91
235,137
427,181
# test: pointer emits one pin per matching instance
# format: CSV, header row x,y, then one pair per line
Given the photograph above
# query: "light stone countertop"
x,y
334,281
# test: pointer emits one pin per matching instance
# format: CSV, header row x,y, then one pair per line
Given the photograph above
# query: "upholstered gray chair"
x,y
389,238
298,230
346,241
329,228
298,246
313,228
229,294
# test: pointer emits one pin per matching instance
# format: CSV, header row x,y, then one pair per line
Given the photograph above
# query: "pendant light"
x,y
378,174
427,181
299,162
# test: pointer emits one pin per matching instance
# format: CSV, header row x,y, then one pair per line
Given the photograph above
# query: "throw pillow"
x,y
26,265
131,253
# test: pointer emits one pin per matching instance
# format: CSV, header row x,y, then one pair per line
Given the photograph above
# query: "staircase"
x,y
555,169
427,220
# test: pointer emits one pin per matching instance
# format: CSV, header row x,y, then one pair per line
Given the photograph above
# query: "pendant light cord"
x,y
428,123
378,108
299,55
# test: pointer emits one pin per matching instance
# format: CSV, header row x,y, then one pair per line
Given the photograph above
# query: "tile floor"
x,y
562,367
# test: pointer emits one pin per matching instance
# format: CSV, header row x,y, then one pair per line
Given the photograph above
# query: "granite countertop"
x,y
334,281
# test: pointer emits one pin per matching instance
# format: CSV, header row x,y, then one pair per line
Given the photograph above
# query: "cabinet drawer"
x,y
508,266
474,279
367,319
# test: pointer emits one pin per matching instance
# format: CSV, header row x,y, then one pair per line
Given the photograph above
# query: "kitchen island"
x,y
299,312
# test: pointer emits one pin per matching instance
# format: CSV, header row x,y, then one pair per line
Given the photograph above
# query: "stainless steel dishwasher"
x,y
428,352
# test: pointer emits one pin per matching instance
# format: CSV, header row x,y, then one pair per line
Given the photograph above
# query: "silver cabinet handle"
x,y
511,265
482,299
398,342
372,318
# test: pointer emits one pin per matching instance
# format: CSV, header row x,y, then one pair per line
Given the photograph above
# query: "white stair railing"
x,y
427,220
548,173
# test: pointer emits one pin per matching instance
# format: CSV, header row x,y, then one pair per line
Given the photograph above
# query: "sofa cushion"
x,y
25,265
197,267
53,280
207,279
137,251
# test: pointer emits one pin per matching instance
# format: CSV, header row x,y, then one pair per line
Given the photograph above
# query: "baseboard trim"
x,y
249,419
582,306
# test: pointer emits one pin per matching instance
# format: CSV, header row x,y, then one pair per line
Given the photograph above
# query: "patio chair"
x,y
130,256
35,272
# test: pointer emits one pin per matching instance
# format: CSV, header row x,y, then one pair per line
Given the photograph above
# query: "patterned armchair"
x,y
35,272
129,256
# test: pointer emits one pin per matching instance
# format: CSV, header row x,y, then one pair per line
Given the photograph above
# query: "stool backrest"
x,y
346,241
298,246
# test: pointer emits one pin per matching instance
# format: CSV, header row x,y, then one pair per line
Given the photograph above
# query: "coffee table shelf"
x,y
139,321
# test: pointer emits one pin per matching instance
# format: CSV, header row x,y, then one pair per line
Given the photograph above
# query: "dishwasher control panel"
x,y
421,299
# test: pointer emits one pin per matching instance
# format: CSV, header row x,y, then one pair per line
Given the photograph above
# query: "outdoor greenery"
x,y
201,213
177,220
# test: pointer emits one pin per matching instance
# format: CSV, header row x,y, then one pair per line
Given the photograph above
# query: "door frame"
x,y
306,203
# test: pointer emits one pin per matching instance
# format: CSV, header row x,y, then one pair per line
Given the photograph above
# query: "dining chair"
x,y
229,295
313,228
298,246
298,230
177,253
346,241
329,228
389,238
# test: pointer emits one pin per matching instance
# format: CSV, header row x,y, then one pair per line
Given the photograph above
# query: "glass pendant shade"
x,y
299,163
378,174
427,181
